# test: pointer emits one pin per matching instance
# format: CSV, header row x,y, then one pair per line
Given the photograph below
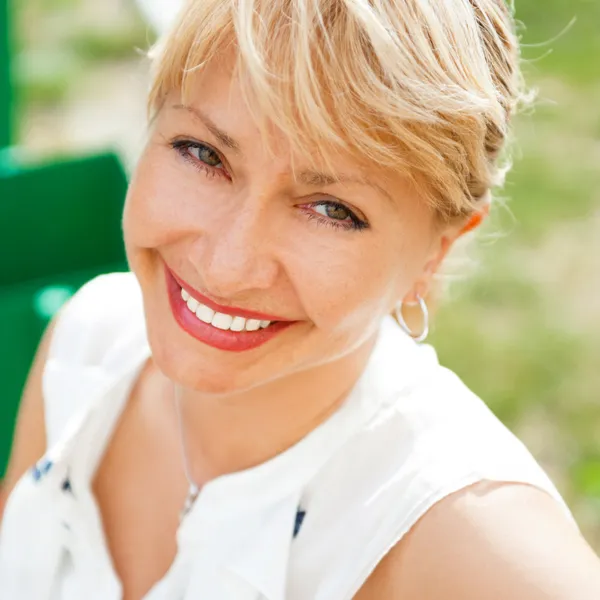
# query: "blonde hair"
x,y
426,87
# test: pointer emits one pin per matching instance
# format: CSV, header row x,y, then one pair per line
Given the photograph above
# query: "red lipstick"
x,y
233,341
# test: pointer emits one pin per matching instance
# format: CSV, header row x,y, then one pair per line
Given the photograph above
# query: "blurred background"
x,y
522,330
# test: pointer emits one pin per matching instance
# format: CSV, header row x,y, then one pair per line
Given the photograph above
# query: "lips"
x,y
228,310
233,341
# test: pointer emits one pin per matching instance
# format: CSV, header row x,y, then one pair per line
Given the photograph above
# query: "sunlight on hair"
x,y
423,87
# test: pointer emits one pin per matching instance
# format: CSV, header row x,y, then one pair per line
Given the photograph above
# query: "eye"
x,y
200,156
335,211
336,214
205,154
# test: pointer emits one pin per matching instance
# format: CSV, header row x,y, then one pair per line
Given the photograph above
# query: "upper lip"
x,y
228,310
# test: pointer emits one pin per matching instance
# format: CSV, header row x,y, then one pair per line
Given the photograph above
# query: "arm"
x,y
29,442
491,541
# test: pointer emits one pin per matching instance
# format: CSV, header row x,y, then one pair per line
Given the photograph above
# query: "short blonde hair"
x,y
425,87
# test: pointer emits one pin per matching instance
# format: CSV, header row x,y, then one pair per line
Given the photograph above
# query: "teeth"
x,y
204,313
193,304
238,324
221,320
252,324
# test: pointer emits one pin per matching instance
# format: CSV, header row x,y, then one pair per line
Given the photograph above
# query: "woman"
x,y
241,417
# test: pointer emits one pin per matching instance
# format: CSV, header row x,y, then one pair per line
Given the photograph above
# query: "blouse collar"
x,y
263,505
258,508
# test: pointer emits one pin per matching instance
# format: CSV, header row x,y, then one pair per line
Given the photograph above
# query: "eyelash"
x,y
356,224
182,147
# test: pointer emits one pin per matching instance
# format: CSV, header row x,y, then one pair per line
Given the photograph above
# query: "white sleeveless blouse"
x,y
311,523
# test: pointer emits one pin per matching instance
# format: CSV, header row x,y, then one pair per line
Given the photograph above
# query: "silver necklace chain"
x,y
194,488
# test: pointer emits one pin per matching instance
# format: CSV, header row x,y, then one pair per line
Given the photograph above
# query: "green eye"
x,y
201,156
205,154
337,212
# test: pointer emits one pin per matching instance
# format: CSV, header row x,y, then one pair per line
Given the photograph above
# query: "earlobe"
x,y
421,286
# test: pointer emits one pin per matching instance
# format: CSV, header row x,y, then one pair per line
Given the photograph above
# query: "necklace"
x,y
194,488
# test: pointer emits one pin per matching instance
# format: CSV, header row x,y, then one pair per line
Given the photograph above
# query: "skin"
x,y
250,234
489,541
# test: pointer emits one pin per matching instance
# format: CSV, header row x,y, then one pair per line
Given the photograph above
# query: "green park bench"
x,y
60,225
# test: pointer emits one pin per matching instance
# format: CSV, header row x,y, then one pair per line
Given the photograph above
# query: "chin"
x,y
195,366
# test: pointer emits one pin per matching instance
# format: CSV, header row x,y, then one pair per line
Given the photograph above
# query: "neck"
x,y
236,432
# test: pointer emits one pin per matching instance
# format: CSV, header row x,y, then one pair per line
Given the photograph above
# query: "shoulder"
x,y
97,330
488,541
427,447
432,438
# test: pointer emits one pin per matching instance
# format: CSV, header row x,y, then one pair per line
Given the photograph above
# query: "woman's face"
x,y
332,252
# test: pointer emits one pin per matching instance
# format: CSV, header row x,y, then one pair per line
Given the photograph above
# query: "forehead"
x,y
215,99
216,93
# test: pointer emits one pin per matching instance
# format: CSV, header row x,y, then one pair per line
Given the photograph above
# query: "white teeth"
x,y
221,320
193,304
238,324
204,313
252,324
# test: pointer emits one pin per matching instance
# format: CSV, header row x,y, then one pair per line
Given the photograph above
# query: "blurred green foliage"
x,y
524,331
574,54
120,42
50,58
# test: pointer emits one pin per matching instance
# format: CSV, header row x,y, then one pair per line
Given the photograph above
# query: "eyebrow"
x,y
306,177
317,179
221,135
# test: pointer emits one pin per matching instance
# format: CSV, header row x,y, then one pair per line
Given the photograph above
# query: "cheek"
x,y
350,287
163,201
152,208
343,285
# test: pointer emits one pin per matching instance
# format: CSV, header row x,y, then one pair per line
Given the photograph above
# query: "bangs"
x,y
406,86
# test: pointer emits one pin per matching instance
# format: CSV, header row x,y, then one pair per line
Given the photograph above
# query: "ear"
x,y
474,221
446,240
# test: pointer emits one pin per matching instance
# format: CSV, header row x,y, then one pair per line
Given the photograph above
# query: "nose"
x,y
233,254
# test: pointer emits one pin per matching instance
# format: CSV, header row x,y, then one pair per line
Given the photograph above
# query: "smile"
x,y
223,330
221,320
